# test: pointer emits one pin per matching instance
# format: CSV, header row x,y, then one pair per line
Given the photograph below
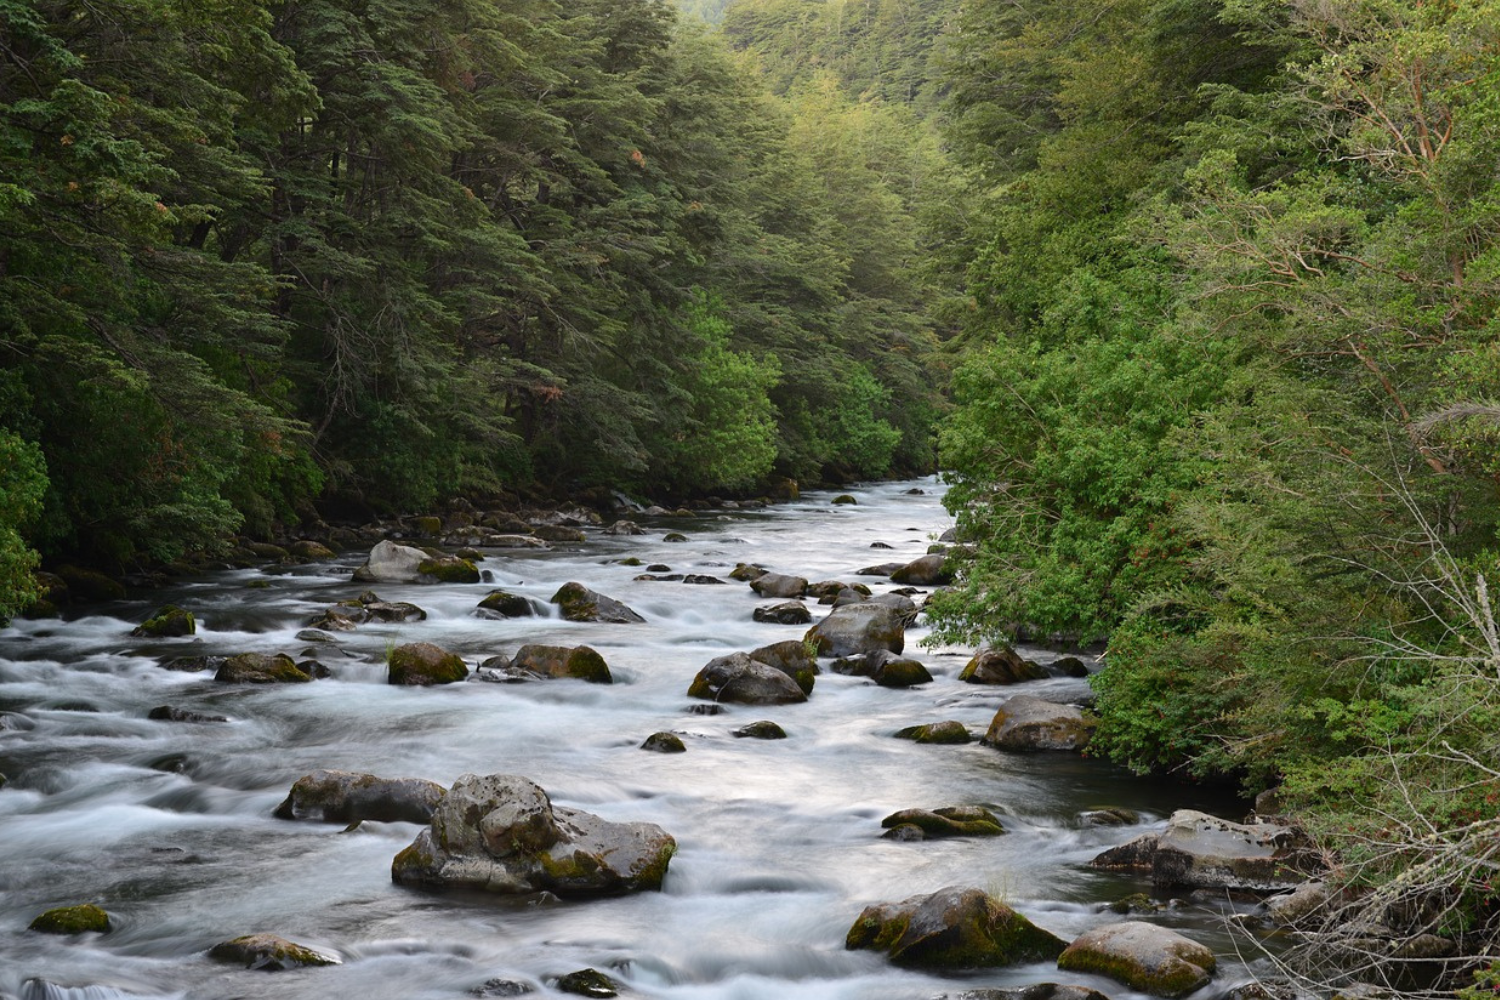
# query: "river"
x,y
169,825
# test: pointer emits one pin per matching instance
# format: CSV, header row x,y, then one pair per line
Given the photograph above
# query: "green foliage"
x,y
23,481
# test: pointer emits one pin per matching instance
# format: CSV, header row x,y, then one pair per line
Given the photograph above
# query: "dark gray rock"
x,y
953,928
580,604
1027,723
740,679
349,797
1144,957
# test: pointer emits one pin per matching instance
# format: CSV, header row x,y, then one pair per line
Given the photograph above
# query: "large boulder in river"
x,y
999,665
948,732
928,571
859,628
261,668
422,664
1027,723
269,953
1145,957
1200,851
499,604
954,928
349,797
540,662
500,833
390,562
779,585
793,658
884,668
580,604
947,821
785,613
740,679
169,622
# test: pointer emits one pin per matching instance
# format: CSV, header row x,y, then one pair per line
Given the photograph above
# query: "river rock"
x,y
261,668
1145,957
501,833
588,983
884,668
168,622
539,662
169,713
859,628
1000,665
1200,851
390,562
779,585
447,569
269,953
762,730
306,548
1304,905
793,658
844,499
954,928
580,604
1027,723
422,664
515,541
740,679
949,732
560,533
928,571
1036,991
349,797
498,604
623,527
664,743
85,918
745,572
785,613
947,821
392,611
884,569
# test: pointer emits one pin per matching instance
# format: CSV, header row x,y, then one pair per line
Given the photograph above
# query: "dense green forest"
x,y
258,255
1216,281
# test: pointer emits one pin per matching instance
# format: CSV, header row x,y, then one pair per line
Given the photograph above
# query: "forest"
x,y
1192,301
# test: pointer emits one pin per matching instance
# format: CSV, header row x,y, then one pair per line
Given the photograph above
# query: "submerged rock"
x,y
739,678
762,730
664,743
86,918
1143,956
500,833
1027,723
169,713
269,953
947,821
953,928
580,604
350,797
1036,991
948,732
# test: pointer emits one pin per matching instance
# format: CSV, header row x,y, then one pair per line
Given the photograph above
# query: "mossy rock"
x,y
269,953
168,622
266,550
844,500
259,668
953,928
501,604
1143,956
580,604
949,732
85,918
762,730
308,549
588,983
422,664
582,663
90,585
449,569
674,536
664,743
427,527
948,821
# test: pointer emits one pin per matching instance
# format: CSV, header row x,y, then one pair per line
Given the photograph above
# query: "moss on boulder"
x,y
948,821
580,604
1144,957
269,953
82,919
953,928
169,621
448,569
423,664
261,668
948,732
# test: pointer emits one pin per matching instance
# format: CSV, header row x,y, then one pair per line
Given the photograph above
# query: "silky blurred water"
x,y
169,826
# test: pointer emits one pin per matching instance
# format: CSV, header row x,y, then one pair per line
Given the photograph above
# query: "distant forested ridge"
x,y
256,254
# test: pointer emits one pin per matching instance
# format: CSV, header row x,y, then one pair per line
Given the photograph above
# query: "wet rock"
x,y
928,571
309,550
785,613
762,730
1001,665
779,585
744,572
793,658
884,668
660,577
701,580
261,668
738,678
447,569
1068,666
535,661
168,622
859,628
168,713
624,528
314,635
1144,957
844,499
588,983
350,797
1108,816
515,541
269,953
948,732
390,562
502,988
1027,723
1036,991
1200,851
560,533
953,928
1137,902
422,664
948,821
884,569
580,604
85,918
393,611
664,743
674,536
881,545
500,833
1304,905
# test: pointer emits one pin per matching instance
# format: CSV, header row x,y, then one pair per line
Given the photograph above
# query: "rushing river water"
x,y
169,825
